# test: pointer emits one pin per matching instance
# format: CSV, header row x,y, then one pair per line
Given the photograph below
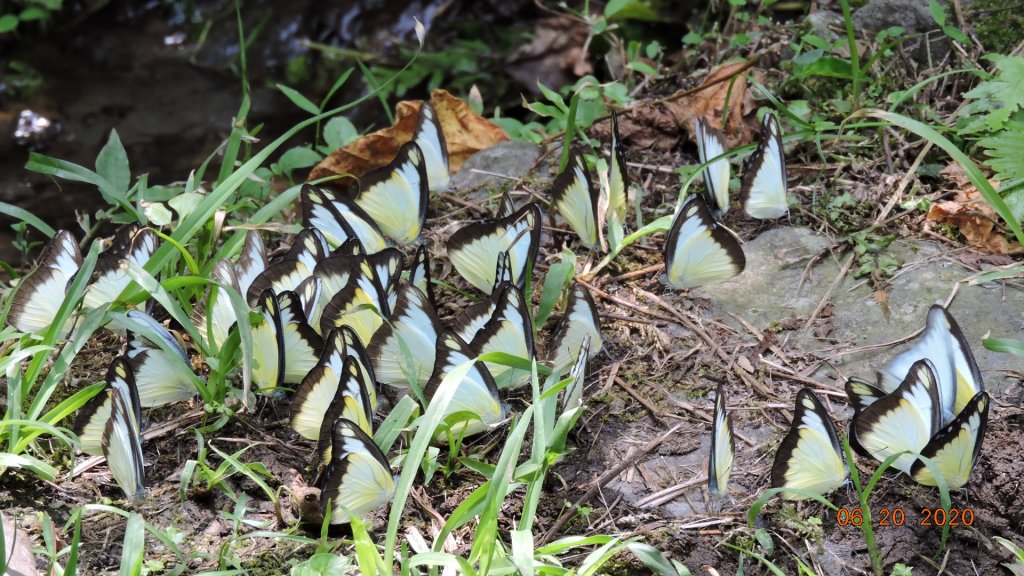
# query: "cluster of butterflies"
x,y
929,401
335,317
700,250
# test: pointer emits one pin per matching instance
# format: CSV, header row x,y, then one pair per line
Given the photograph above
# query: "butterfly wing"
x,y
430,138
573,194
358,479
723,448
475,394
955,448
763,189
122,435
395,196
473,250
810,456
710,145
699,251
42,292
509,330
903,421
405,346
110,277
580,319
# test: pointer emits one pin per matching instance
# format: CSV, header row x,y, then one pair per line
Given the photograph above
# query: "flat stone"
x,y
495,167
769,291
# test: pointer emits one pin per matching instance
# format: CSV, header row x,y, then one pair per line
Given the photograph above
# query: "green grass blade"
x,y
134,546
29,218
974,173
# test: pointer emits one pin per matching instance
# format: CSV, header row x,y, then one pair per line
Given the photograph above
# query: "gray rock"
x,y
766,293
915,17
823,23
495,167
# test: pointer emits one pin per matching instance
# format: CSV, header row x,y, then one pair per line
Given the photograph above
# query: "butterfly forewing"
x,y
903,421
723,448
574,196
764,190
41,294
810,456
358,479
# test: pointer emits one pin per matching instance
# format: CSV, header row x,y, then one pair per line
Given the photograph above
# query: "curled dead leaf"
x,y
971,214
465,133
17,550
724,86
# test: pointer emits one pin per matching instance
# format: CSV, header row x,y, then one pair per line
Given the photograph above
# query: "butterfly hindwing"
x,y
302,345
268,344
699,251
810,456
509,330
618,179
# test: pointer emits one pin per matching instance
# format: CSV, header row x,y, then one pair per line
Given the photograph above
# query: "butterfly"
x,y
475,394
110,278
251,262
395,196
573,194
943,343
723,448
336,387
810,457
162,374
214,320
110,425
419,274
42,292
404,348
573,395
699,251
510,330
285,348
340,220
618,179
308,249
763,189
955,448
472,318
711,144
580,319
430,138
361,303
473,250
903,421
358,479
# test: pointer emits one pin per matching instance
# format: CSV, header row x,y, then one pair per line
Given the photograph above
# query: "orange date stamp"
x,y
937,517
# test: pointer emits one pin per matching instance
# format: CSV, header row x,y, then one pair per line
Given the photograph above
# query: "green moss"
x,y
998,29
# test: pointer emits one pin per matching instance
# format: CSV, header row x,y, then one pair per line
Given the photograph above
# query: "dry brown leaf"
x,y
465,133
971,214
556,56
708,103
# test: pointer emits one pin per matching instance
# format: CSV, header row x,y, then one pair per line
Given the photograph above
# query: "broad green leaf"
x,y
112,164
338,132
8,22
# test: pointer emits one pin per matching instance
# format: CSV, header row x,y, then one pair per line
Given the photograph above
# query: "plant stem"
x,y
851,39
